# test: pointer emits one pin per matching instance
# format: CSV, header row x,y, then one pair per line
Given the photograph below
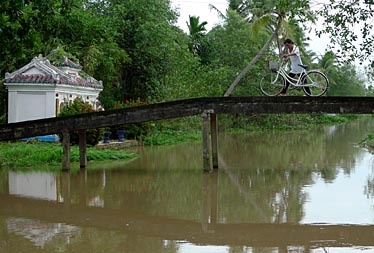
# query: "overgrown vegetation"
x,y
175,131
78,107
284,122
171,136
368,142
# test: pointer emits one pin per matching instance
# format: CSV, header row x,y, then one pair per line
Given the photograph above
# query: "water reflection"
x,y
40,233
274,192
35,184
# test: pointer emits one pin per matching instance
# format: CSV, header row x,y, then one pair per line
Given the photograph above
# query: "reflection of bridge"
x,y
183,108
255,235
207,231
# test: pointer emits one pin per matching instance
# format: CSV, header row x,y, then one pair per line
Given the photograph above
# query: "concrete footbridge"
x,y
207,107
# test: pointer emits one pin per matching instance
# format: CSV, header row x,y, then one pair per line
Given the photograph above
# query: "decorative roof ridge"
x,y
59,58
43,65
70,64
31,78
52,73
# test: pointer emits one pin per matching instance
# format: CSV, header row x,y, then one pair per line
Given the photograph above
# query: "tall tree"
x,y
348,82
197,32
144,30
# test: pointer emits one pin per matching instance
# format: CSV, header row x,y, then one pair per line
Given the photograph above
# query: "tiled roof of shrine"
x,y
41,71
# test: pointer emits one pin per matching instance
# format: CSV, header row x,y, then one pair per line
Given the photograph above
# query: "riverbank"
x,y
368,143
47,156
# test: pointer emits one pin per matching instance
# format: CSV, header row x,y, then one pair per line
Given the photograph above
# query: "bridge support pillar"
x,y
214,139
213,145
65,151
82,148
206,154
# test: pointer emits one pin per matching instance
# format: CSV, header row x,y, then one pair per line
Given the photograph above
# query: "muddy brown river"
x,y
274,192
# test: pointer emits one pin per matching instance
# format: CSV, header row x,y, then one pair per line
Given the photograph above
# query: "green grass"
x,y
171,136
283,122
22,154
178,131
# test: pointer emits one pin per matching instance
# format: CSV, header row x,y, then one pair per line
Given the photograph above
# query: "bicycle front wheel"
x,y
272,84
315,83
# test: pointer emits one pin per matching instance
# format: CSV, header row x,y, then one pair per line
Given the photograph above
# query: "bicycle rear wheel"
x,y
316,83
271,85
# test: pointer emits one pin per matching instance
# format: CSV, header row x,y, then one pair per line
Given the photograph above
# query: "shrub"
x,y
79,107
2,119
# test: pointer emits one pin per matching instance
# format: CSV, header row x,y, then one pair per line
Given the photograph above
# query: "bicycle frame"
x,y
312,82
296,83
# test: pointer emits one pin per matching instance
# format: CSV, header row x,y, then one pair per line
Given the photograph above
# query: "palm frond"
x,y
220,14
265,21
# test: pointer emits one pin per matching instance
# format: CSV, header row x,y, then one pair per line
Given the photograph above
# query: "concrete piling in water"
x,y
214,139
65,151
206,154
82,148
210,118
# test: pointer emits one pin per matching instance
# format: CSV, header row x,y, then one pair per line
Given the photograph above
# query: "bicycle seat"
x,y
303,66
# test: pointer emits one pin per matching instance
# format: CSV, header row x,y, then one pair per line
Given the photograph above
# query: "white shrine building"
x,y
40,90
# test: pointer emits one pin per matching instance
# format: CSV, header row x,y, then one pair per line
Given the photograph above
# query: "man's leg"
x,y
284,91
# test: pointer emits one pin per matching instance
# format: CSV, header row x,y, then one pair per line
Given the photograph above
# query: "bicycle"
x,y
272,84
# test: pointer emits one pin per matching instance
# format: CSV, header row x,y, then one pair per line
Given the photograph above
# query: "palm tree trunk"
x,y
254,60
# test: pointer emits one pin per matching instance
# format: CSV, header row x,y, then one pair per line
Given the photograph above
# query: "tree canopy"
x,y
137,50
349,26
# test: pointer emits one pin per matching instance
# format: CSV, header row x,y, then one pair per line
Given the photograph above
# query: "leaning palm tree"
x,y
272,15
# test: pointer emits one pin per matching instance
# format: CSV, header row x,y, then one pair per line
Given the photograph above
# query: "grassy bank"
x,y
189,129
171,136
177,131
48,155
287,121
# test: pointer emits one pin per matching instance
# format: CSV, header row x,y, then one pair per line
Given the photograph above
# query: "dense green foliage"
x,y
139,53
79,107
